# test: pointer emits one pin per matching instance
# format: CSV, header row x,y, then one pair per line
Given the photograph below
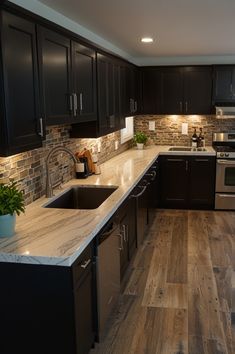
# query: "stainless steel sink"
x,y
178,148
186,148
81,197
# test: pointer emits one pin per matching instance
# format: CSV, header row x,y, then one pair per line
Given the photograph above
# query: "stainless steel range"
x,y
224,145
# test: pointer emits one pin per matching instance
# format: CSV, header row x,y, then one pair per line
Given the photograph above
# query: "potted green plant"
x,y
11,203
140,139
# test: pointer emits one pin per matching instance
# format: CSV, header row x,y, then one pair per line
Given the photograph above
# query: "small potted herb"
x,y
11,203
140,139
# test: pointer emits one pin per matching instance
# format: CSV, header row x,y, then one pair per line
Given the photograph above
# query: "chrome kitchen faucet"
x,y
49,187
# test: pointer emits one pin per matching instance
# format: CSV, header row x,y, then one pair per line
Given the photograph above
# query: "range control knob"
x,y
221,154
226,154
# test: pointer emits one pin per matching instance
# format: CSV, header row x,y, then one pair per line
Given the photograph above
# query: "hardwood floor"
x,y
180,297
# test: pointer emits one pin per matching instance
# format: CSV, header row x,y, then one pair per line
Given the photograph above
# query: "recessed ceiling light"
x,y
146,40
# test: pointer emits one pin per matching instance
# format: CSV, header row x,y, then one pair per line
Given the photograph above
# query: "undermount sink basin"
x,y
81,197
177,148
186,148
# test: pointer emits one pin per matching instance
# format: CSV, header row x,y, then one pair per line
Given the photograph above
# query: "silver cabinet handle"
x,y
125,232
135,106
75,104
41,127
85,264
139,194
201,160
186,106
81,101
181,106
231,89
154,174
186,165
71,102
121,242
175,160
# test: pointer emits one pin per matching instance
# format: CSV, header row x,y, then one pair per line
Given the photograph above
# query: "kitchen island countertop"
x,y
58,236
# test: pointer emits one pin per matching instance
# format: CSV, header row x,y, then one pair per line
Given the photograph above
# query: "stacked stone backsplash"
x,y
168,128
28,168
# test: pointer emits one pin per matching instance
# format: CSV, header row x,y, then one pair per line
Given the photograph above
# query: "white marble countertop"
x,y
58,236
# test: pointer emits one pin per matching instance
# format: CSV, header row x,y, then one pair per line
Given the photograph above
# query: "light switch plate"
x,y
151,125
184,128
116,144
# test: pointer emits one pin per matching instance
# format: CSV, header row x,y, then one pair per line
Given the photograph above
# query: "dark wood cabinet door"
x,y
151,91
55,68
84,289
84,313
131,228
202,182
223,90
172,91
123,92
197,90
174,181
106,100
84,82
20,94
124,252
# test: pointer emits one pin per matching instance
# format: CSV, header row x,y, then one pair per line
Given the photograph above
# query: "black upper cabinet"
x,y
172,91
197,90
224,84
84,82
19,101
55,66
106,104
151,81
187,90
177,90
132,86
68,79
111,106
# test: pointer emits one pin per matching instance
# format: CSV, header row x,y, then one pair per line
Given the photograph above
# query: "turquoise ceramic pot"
x,y
7,225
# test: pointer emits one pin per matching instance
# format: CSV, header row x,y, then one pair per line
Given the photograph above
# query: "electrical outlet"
x,y
184,130
116,144
152,125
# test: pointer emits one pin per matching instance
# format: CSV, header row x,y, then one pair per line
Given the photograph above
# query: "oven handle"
x,y
226,195
226,162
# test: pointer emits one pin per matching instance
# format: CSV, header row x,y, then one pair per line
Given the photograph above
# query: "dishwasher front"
x,y
108,272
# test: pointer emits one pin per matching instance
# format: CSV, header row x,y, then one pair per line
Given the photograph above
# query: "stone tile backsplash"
x,y
168,128
28,168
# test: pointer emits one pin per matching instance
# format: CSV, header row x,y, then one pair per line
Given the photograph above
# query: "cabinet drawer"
x,y
83,263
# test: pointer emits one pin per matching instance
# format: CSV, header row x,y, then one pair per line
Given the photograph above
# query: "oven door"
x,y
225,176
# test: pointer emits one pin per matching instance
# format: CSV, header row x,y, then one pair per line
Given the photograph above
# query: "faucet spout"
x,y
49,188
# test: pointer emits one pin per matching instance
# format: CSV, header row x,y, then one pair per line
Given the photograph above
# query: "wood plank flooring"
x,y
180,297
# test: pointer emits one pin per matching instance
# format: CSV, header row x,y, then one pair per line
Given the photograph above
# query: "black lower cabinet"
x,y
202,182
187,182
153,198
47,309
126,215
174,181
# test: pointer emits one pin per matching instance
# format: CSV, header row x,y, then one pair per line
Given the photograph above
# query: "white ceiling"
x,y
181,28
